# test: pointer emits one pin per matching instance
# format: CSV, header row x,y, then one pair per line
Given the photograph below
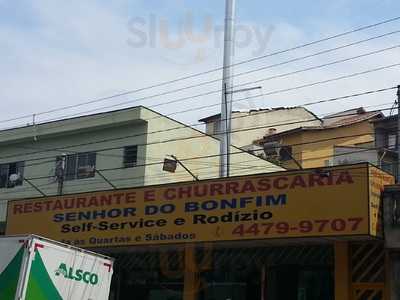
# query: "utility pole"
x,y
227,85
398,134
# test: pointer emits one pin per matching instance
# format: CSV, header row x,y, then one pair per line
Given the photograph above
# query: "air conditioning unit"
x,y
272,149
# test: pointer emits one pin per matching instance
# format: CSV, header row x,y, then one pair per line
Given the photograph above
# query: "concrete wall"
x,y
261,121
352,155
198,152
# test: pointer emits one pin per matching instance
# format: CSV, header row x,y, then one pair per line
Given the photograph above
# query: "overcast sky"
x,y
56,53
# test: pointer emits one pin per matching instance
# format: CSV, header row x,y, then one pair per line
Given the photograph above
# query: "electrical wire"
x,y
146,164
290,89
202,135
249,72
275,92
217,91
232,153
359,29
292,172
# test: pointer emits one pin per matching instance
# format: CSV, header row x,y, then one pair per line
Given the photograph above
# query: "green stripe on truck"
x,y
40,285
9,277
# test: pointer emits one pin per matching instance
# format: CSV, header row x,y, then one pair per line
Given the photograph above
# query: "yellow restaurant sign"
x,y
340,201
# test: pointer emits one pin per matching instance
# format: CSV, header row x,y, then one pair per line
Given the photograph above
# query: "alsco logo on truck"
x,y
77,275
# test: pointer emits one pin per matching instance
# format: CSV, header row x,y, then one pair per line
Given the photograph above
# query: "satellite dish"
x,y
14,177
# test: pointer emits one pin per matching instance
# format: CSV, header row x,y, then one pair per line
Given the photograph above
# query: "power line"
x,y
235,166
186,138
362,28
232,153
276,92
264,166
187,126
217,91
321,66
263,94
166,174
158,175
241,166
281,90
257,70
159,159
292,172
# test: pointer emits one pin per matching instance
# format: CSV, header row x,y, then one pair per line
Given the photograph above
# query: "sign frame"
x,y
368,169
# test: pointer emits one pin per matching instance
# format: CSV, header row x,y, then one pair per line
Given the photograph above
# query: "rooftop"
x,y
74,124
255,111
385,119
341,119
349,117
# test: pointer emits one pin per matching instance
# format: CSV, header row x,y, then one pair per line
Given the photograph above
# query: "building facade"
x,y
248,126
263,233
386,143
118,149
286,235
333,141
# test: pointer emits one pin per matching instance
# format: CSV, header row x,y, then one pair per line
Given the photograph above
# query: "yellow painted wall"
x,y
318,146
296,140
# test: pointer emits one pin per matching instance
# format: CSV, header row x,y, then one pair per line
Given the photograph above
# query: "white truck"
x,y
35,268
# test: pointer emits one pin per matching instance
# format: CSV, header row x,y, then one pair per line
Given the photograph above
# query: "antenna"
x,y
251,104
34,127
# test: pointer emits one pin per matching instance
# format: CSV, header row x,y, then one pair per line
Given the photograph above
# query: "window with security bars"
x,y
6,170
130,156
79,166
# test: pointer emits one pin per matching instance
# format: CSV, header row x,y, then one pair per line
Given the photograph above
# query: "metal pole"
x,y
186,169
398,134
105,179
227,132
61,175
227,85
35,187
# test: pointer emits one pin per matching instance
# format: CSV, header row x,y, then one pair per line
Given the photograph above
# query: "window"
x,y
285,153
79,166
6,170
130,156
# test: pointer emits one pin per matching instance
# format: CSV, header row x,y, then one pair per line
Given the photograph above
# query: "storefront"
x,y
278,272
302,235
